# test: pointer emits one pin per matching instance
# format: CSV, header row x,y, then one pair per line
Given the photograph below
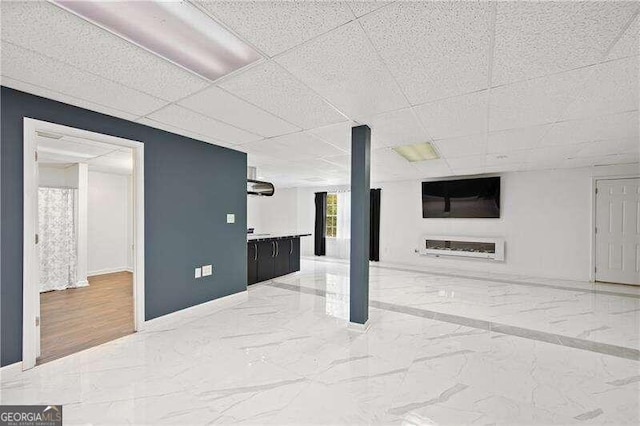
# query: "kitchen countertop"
x,y
277,236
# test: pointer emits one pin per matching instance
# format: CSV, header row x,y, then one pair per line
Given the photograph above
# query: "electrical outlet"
x,y
231,218
198,272
207,270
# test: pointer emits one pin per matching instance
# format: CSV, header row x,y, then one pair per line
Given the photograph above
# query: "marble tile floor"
x,y
432,356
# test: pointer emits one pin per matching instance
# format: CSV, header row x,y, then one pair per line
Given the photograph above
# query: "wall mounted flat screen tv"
x,y
462,198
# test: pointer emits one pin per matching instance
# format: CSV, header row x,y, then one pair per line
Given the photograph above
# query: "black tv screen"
x,y
462,198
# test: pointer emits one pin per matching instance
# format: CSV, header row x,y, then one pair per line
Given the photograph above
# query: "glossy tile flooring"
x,y
443,348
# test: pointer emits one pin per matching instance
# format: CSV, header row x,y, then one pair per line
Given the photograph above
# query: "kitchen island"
x,y
272,255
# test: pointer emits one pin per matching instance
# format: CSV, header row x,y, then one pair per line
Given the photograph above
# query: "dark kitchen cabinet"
x,y
281,258
266,260
272,258
252,263
294,254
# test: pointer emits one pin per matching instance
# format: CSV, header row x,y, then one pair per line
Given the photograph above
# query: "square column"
x,y
359,258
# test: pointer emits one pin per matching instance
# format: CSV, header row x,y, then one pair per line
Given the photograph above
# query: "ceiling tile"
x,y
54,76
463,146
418,39
433,168
532,102
611,87
343,67
539,38
395,128
516,139
216,103
273,89
616,126
552,156
502,160
67,99
339,135
47,29
459,116
183,118
183,132
608,147
629,43
295,21
474,162
361,8
303,145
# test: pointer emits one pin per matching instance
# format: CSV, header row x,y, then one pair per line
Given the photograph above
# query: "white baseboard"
x,y
10,371
355,326
109,271
188,314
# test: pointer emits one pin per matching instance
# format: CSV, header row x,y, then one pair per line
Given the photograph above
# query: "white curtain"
x,y
340,246
57,238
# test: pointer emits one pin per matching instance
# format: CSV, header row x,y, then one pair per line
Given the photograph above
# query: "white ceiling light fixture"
x,y
417,152
175,30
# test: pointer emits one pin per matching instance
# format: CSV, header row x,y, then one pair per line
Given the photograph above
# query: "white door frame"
x,y
594,184
30,286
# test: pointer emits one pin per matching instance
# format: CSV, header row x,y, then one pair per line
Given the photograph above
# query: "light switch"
x,y
207,270
231,218
198,272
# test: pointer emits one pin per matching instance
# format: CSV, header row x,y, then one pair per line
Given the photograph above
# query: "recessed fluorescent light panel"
x,y
175,30
417,152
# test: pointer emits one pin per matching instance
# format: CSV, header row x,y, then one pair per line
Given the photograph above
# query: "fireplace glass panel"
x,y
467,246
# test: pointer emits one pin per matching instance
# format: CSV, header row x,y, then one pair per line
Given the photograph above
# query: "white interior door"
x,y
618,231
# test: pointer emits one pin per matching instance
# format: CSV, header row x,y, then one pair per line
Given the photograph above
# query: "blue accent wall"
x,y
189,187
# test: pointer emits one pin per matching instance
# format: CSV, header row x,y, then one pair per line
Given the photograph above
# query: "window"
x,y
332,215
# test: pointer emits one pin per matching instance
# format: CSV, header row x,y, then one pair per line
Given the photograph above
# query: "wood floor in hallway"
x,y
80,318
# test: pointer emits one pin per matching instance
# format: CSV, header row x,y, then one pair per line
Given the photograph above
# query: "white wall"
x,y
545,220
276,214
109,223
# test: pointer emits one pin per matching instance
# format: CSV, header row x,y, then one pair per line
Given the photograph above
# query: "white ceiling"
x,y
502,86
69,150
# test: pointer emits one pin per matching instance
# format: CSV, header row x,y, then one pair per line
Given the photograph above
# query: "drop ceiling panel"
x,y
120,161
515,139
616,126
343,67
419,39
467,164
433,168
539,38
183,118
608,147
629,42
532,102
67,99
361,8
183,132
39,70
275,26
216,103
53,32
395,128
339,135
459,116
273,89
463,146
611,87
302,145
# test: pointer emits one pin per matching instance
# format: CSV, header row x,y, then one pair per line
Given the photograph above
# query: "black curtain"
x,y
374,225
319,236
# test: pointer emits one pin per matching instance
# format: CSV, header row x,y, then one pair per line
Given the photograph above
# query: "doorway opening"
x,y
83,282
